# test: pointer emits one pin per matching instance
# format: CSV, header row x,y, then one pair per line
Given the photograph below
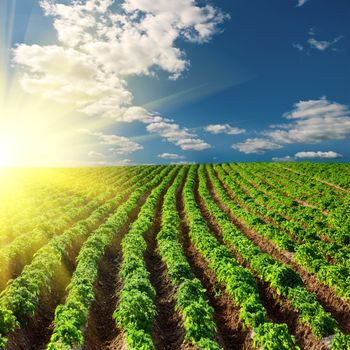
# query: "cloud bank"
x,y
102,43
318,154
224,129
309,122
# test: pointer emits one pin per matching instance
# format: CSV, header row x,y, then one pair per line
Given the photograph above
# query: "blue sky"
x,y
255,80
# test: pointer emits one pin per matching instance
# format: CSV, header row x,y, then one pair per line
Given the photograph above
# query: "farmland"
x,y
218,256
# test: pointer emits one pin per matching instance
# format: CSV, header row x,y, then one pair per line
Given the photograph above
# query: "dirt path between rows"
x,y
339,308
101,331
231,334
168,332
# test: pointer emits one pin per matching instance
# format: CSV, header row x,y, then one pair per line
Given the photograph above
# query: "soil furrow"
x,y
168,332
298,200
231,334
256,187
339,308
278,308
101,330
35,332
337,187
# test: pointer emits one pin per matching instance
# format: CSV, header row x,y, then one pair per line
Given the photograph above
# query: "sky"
x,y
103,82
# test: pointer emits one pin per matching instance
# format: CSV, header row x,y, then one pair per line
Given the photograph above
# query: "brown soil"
x,y
101,327
253,184
168,332
320,180
299,201
334,186
339,308
278,308
36,331
101,331
231,334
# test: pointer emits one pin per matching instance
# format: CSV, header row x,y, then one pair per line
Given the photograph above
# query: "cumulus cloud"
x,y
309,122
318,154
101,46
181,137
322,45
313,121
170,156
119,144
283,159
223,129
301,3
256,145
96,155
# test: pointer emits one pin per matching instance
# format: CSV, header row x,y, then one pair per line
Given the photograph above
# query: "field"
x,y
225,256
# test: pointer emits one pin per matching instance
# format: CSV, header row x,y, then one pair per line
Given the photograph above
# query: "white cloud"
x,y
283,159
312,122
170,156
181,137
223,129
302,3
94,154
298,47
313,43
322,45
181,162
318,154
120,144
122,162
256,145
100,48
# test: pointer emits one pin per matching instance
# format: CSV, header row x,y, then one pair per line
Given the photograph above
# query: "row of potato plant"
x,y
239,282
310,217
23,211
284,280
71,317
196,313
25,245
309,240
335,173
136,310
21,296
310,259
335,206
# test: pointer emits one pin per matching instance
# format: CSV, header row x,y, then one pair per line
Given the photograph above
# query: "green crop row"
x,y
336,173
21,296
240,283
327,201
312,218
309,258
282,278
136,310
71,317
44,201
26,244
196,313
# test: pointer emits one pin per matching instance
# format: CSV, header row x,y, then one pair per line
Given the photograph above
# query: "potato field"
x,y
168,257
